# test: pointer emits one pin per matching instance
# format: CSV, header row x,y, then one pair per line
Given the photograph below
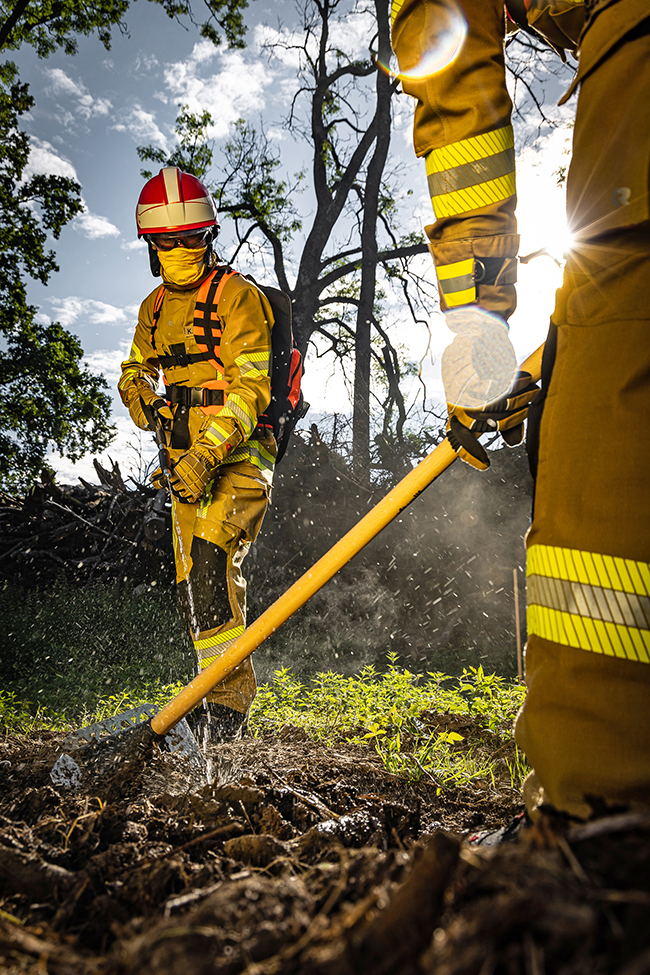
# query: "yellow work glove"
x,y
144,403
191,473
505,416
194,470
477,368
188,476
480,364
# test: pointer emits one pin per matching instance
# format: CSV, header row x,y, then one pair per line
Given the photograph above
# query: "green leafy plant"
x,y
391,713
20,717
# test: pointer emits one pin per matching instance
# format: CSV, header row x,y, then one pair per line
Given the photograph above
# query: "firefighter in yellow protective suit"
x,y
585,724
208,330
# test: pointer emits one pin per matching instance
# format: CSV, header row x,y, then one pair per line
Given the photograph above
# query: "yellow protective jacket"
x,y
463,129
170,337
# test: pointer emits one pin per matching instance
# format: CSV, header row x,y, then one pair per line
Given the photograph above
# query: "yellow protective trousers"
x,y
216,534
585,724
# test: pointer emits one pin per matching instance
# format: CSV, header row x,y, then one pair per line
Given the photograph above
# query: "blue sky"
x,y
93,109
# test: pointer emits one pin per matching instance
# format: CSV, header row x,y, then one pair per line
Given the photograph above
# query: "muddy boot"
x,y
493,837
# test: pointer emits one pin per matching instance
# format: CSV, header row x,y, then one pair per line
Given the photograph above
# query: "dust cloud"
x,y
436,587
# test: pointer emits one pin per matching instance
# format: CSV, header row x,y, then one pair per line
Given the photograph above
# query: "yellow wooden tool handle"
x,y
315,578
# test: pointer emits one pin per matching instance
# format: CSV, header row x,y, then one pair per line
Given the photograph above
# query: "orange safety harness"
x,y
207,330
287,405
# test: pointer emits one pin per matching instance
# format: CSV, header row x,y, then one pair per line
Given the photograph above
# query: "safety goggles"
x,y
166,242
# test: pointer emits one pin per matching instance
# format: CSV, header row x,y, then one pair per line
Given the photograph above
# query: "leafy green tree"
x,y
46,396
193,153
50,24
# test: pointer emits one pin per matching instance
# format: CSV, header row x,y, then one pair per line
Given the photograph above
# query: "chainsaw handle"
x,y
163,451
315,578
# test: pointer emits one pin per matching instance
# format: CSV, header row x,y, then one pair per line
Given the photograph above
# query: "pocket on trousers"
x,y
250,501
239,503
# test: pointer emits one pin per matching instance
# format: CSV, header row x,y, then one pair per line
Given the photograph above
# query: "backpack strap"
x,y
157,305
204,327
207,324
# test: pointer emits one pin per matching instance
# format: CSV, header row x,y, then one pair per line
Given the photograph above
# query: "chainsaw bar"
x,y
179,740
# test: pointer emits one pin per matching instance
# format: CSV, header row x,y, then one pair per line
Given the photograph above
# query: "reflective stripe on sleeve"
x,y
216,434
128,375
237,408
255,365
136,354
473,173
457,282
591,601
394,10
255,454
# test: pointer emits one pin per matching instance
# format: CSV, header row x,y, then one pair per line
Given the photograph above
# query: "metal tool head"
x,y
179,741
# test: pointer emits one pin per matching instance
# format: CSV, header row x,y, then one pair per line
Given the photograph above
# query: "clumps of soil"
x,y
297,859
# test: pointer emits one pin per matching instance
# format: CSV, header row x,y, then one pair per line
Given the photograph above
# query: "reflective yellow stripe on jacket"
x,y
473,173
590,601
457,282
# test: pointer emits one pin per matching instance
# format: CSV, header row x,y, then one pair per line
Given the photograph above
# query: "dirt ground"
x,y
299,859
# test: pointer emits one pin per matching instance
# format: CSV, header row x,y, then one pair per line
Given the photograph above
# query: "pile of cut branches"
x,y
88,532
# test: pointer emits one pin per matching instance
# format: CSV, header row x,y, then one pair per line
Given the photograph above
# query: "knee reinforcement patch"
x,y
209,583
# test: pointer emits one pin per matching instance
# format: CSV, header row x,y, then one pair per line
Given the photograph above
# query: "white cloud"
x,y
142,126
43,158
134,245
352,34
108,361
94,226
132,449
284,45
238,89
62,85
72,309
202,52
145,62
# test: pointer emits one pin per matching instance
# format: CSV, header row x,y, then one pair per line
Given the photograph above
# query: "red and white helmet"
x,y
174,200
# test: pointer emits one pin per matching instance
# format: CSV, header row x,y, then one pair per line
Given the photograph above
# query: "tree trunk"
x,y
365,312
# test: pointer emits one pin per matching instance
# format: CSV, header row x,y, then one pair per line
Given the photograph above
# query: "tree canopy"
x,y
46,396
50,24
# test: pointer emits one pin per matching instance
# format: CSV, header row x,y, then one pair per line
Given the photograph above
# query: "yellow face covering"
x,y
182,265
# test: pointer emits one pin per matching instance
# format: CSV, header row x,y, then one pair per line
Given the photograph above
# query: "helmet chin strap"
x,y
154,263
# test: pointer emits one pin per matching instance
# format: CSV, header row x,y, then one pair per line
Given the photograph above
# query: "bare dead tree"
x,y
342,111
334,262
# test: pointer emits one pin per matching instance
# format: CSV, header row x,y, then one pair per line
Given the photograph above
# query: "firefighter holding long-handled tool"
x,y
585,725
208,329
586,722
